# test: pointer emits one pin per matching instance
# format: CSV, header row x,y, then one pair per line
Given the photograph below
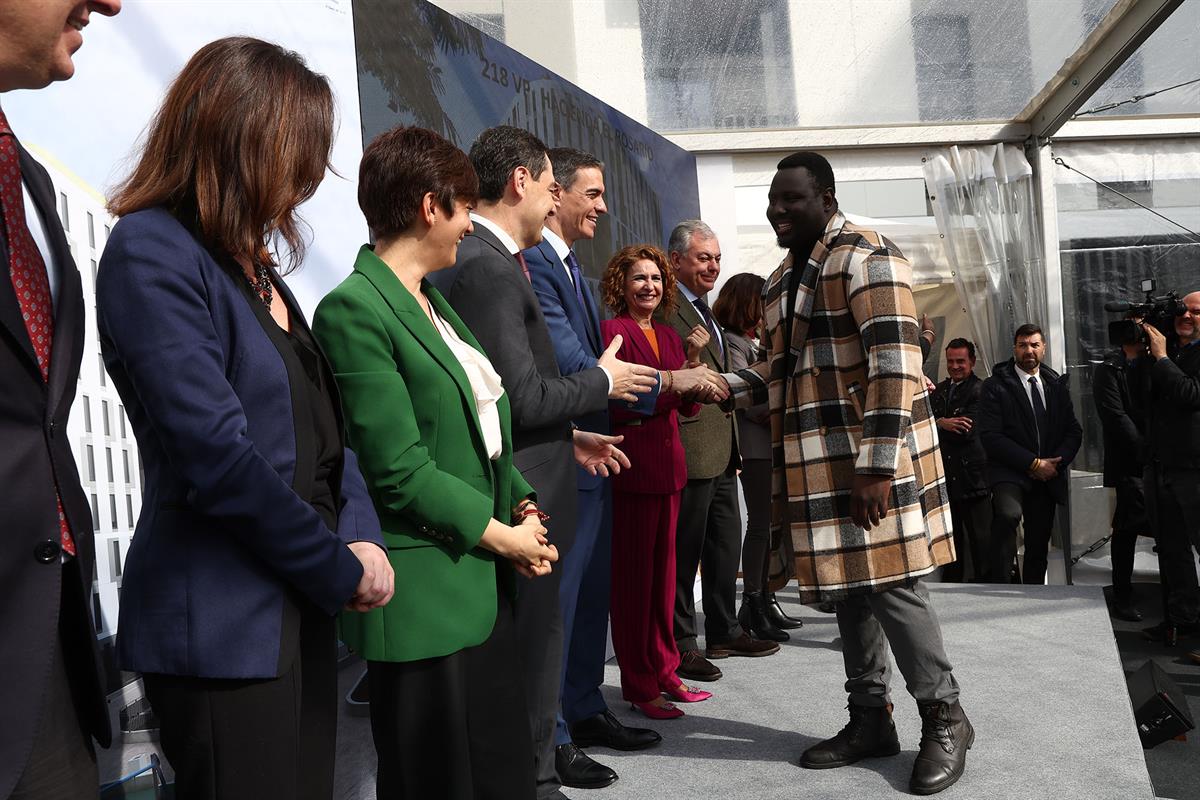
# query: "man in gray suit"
x,y
489,287
708,534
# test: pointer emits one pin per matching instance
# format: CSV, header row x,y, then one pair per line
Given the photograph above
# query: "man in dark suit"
x,y
573,319
51,690
1121,417
489,287
709,531
1030,434
955,406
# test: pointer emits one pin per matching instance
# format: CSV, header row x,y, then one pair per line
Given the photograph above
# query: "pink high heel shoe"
x,y
664,711
686,694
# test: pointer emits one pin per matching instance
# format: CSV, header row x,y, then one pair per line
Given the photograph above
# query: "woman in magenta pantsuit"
x,y
646,497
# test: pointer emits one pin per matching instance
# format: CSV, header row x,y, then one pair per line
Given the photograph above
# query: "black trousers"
x,y
1010,505
454,727
1129,521
756,547
1173,501
252,739
62,764
708,535
972,521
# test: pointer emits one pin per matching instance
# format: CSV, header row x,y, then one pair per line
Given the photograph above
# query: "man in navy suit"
x,y
52,692
574,321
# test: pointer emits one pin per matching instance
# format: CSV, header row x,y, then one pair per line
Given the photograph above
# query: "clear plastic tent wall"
x,y
983,199
708,65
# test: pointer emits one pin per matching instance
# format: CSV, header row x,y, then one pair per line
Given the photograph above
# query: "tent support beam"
x,y
1126,27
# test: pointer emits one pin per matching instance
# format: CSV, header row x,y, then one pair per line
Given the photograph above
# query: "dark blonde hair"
x,y
612,285
243,137
739,305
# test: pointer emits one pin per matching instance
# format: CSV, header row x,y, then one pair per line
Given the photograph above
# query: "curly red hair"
x,y
612,285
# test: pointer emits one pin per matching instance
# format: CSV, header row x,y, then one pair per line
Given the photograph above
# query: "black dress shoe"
x,y
1125,612
743,645
870,733
946,736
695,667
605,730
577,771
777,615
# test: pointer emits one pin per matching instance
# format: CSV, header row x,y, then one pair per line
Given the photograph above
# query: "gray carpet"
x,y
1041,681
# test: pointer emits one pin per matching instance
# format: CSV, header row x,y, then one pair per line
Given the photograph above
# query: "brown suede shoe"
x,y
742,646
695,667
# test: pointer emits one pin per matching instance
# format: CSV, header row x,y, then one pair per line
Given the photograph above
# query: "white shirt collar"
x,y
560,247
1029,375
499,232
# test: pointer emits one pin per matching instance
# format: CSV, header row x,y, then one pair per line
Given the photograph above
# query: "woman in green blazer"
x,y
430,422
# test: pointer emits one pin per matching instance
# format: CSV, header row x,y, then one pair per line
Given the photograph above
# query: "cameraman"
x,y
1123,423
1173,468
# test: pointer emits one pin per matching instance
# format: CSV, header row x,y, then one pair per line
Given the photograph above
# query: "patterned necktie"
x,y
709,323
27,270
1039,415
524,267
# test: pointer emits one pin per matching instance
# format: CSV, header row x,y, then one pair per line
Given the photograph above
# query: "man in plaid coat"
x,y
858,481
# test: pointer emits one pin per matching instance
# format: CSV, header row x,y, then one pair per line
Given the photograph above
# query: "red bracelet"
x,y
529,512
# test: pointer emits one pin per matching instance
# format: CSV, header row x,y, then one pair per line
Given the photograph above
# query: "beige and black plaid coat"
x,y
855,402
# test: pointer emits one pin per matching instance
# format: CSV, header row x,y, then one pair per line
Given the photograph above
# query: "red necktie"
x,y
27,271
524,266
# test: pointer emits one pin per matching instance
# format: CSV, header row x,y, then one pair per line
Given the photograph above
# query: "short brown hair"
x,y
1028,329
400,167
500,150
612,285
739,305
243,137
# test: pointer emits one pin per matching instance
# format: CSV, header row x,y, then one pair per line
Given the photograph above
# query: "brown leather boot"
x,y
946,736
870,733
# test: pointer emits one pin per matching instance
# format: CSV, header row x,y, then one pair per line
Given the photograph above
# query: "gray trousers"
x,y
902,617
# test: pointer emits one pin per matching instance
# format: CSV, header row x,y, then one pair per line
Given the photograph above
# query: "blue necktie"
x,y
576,278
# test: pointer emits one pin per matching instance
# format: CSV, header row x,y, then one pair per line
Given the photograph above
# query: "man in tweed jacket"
x,y
858,481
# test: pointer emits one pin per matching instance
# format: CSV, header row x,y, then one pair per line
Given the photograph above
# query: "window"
x,y
63,211
95,267
87,414
107,426
114,558
129,508
91,463
103,374
91,230
97,614
108,457
121,419
125,463
95,514
112,510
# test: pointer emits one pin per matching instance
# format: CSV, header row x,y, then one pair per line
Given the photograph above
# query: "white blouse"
x,y
484,380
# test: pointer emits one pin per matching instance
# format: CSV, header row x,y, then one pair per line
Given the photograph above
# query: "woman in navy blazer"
x,y
256,527
646,497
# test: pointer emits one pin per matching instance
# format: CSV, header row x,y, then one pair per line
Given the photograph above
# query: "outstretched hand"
x,y
598,454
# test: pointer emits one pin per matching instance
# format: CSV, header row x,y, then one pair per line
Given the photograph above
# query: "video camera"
x,y
1159,311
